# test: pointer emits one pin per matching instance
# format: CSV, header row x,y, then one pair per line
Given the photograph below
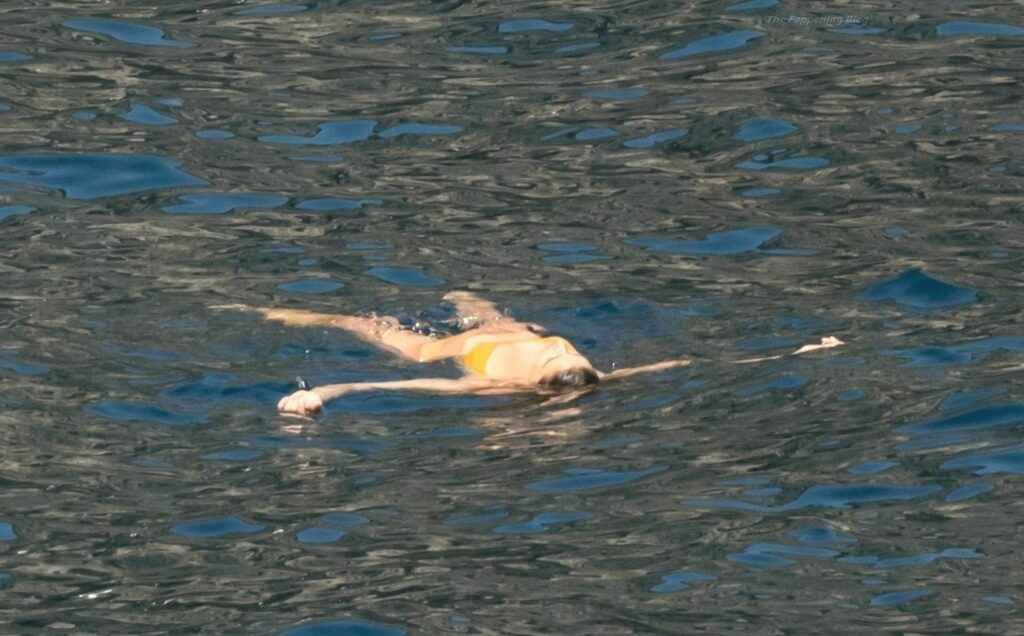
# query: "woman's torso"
x,y
500,355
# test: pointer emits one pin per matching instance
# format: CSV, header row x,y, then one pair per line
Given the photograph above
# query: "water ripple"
x,y
142,412
344,627
328,133
222,203
543,522
899,598
587,478
833,496
983,418
717,243
915,288
418,129
714,44
142,114
85,176
525,25
680,580
960,28
127,32
1003,460
215,528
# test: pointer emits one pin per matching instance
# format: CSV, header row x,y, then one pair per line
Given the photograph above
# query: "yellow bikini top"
x,y
476,358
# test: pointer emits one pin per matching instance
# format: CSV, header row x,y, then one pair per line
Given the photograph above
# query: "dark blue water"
x,y
717,180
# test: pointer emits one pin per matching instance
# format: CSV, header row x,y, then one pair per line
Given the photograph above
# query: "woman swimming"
x,y
497,354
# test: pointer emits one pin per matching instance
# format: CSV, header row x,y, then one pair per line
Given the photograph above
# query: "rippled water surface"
x,y
716,180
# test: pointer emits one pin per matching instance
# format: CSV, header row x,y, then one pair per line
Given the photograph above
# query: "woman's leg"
x,y
382,331
474,311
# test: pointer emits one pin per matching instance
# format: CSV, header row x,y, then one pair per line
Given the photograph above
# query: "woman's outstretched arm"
x,y
664,365
826,343
311,401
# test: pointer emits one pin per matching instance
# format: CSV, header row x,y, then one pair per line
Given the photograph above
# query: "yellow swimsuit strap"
x,y
476,359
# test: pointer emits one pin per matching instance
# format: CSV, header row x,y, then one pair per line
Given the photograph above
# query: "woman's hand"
x,y
301,403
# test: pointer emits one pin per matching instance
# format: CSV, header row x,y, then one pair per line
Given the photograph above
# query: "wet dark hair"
x,y
574,378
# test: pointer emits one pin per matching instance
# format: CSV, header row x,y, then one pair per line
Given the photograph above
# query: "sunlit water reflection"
x,y
721,181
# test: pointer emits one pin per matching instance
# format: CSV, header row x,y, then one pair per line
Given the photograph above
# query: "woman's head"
x,y
571,378
561,366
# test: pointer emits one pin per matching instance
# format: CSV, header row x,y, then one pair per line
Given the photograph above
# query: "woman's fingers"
x,y
826,343
301,402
